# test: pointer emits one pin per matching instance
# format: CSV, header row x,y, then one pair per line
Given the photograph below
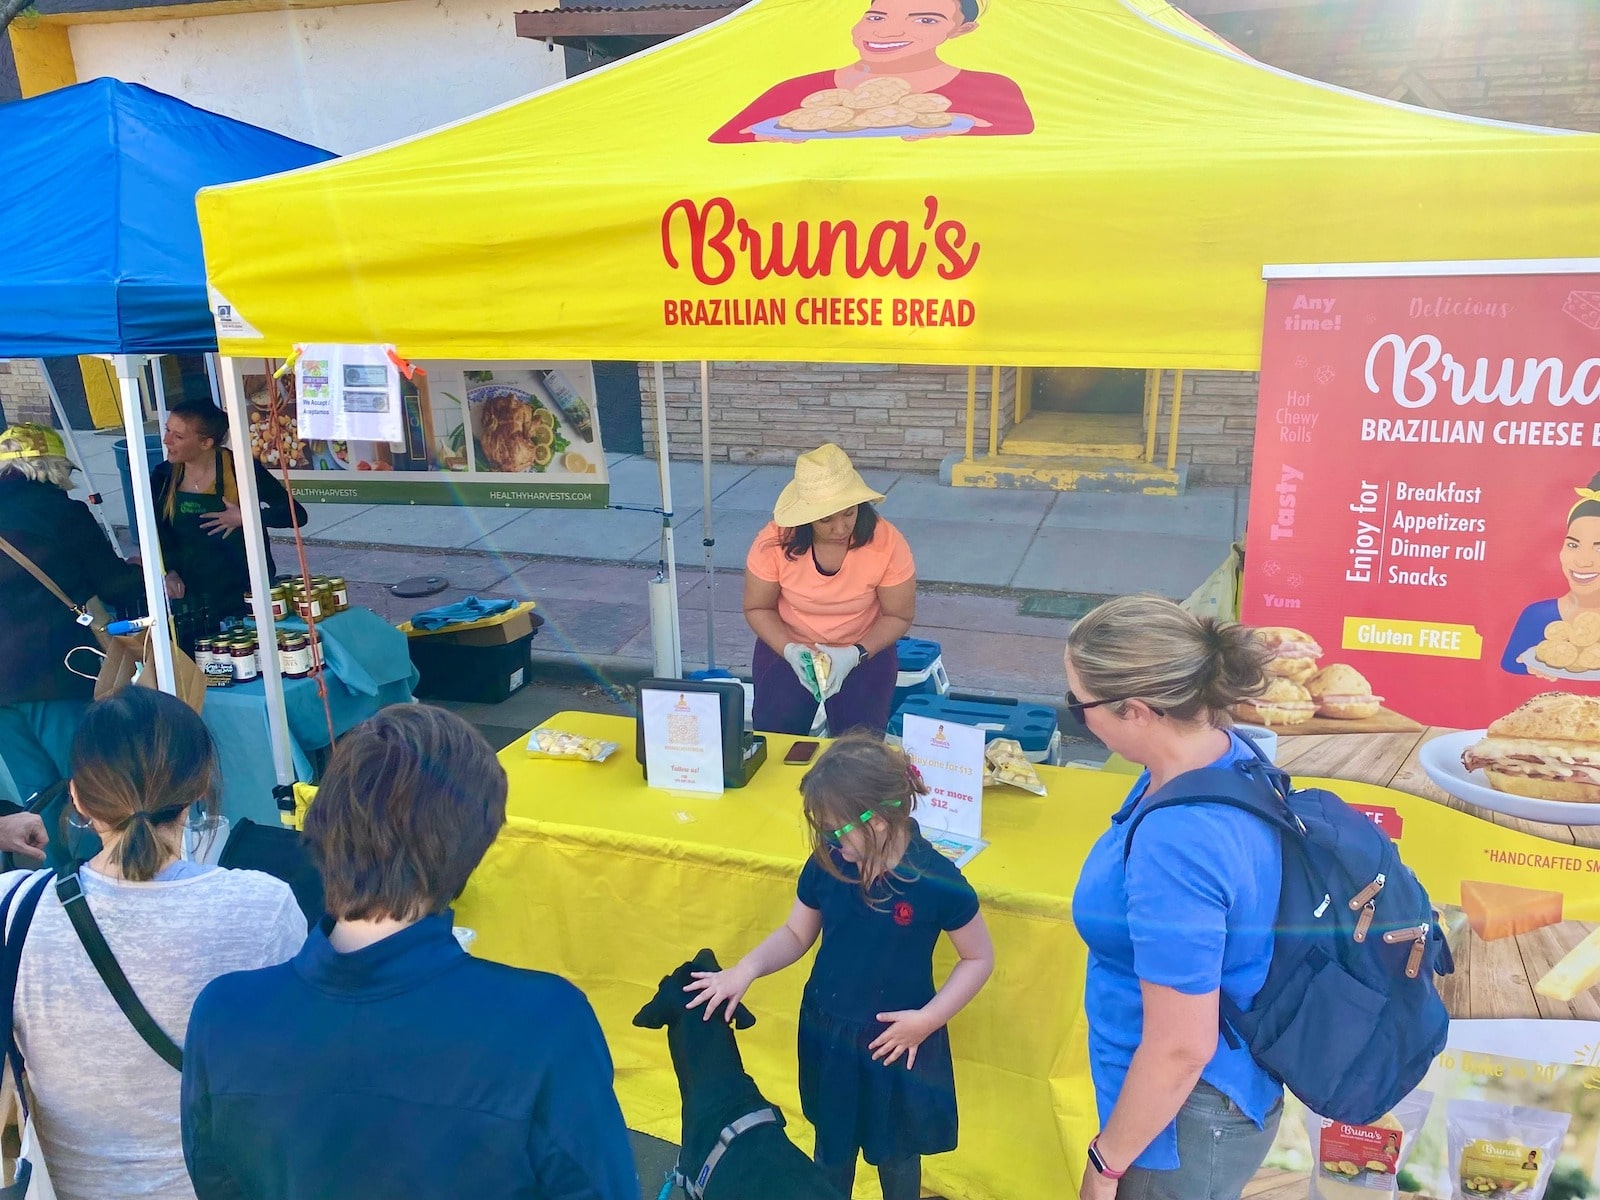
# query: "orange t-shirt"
x,y
832,610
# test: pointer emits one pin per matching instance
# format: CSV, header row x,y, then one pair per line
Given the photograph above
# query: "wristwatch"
x,y
1099,1164
862,650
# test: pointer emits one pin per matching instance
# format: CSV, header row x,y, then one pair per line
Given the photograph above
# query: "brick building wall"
x,y
1533,63
23,394
883,415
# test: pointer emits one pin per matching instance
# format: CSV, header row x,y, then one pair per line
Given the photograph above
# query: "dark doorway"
x,y
616,388
1087,390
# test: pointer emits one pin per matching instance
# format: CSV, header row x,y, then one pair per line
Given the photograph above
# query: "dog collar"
x,y
695,1188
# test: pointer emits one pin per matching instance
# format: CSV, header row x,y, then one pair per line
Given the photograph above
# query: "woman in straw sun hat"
x,y
827,575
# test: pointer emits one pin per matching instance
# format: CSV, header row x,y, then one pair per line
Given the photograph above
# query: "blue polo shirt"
x,y
1193,911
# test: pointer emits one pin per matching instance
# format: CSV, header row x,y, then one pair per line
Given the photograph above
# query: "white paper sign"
x,y
682,740
348,394
950,758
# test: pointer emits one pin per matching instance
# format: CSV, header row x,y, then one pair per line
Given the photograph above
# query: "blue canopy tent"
x,y
100,254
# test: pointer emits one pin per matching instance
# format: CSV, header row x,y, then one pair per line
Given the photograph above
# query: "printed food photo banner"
x,y
518,435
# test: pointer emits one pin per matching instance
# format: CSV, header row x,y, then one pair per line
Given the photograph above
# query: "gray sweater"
x,y
106,1107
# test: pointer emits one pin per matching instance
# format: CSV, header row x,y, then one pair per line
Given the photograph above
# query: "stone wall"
x,y
884,415
23,394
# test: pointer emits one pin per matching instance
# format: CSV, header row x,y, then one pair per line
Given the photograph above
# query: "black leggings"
x,y
900,1180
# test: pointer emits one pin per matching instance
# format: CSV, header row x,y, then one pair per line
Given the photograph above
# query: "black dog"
x,y
759,1162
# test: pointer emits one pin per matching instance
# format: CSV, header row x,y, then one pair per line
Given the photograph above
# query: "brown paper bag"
x,y
130,657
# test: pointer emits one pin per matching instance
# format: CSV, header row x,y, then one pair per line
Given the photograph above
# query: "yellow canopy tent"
x,y
1059,182
1116,209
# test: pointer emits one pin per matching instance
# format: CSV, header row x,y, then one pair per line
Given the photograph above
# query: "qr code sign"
x,y
683,730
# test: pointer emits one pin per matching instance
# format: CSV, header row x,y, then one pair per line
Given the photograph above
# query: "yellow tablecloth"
x,y
613,885
602,880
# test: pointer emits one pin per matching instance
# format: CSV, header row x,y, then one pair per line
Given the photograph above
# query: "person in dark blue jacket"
x,y
383,1061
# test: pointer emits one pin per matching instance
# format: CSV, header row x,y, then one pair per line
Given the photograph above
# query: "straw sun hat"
x,y
824,483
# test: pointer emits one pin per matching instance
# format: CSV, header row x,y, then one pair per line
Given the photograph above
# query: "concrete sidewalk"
x,y
980,555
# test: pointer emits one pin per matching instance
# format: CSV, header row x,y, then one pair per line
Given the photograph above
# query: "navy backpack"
x,y
1349,1019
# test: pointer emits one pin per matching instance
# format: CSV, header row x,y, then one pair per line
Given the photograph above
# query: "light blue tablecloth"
x,y
368,667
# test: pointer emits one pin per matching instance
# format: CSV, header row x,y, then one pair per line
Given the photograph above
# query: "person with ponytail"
x,y
198,515
1185,916
105,1105
1580,568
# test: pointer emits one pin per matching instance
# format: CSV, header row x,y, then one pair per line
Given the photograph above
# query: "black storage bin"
x,y
471,674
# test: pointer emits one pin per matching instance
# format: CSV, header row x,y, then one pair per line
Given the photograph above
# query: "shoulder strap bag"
x,y
85,614
24,1176
125,658
70,892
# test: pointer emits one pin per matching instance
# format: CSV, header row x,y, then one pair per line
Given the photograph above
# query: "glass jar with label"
x,y
341,594
280,602
203,650
294,655
244,659
307,604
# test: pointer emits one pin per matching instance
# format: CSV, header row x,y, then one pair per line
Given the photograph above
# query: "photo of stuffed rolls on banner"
x,y
1423,547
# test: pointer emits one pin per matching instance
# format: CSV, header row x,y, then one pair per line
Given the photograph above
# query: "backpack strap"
x,y
44,581
1252,787
11,961
70,892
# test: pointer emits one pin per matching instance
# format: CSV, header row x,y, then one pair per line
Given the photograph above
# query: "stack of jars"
x,y
228,658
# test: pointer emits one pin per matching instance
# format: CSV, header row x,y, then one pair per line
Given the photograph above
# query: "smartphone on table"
x,y
801,753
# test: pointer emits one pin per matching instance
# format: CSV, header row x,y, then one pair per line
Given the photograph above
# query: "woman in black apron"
x,y
198,514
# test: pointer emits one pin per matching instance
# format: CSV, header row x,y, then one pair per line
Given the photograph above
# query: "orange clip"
x,y
407,368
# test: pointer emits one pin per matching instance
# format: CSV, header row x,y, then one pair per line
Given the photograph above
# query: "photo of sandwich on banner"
x,y
1342,693
1283,703
1294,652
1548,749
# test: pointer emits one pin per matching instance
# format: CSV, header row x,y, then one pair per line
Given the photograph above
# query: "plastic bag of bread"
x,y
1004,762
558,743
1363,1162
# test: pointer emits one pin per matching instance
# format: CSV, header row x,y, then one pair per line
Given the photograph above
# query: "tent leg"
x,y
669,554
211,373
96,505
255,544
143,506
708,540
158,388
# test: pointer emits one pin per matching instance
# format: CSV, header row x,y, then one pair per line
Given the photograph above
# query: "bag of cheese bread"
x,y
1501,1150
1363,1162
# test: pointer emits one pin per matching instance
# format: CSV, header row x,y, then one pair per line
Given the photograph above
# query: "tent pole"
x,y
211,373
664,466
96,504
708,539
255,545
143,506
158,387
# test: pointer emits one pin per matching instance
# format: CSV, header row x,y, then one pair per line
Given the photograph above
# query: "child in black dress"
x,y
876,1076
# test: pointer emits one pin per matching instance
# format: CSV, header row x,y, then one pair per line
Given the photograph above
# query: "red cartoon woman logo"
x,y
903,913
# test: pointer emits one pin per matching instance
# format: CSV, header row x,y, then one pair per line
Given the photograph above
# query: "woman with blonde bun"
x,y
1180,917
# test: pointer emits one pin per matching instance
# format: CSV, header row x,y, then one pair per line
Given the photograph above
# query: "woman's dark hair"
x,y
1585,507
412,801
1148,648
207,419
139,760
798,541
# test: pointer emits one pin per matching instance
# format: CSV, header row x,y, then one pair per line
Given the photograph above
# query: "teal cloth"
x,y
369,667
461,613
36,745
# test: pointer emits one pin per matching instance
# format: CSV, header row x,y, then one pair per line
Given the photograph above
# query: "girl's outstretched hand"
x,y
907,1030
716,987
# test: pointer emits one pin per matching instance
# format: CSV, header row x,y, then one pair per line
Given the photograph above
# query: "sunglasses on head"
x,y
837,835
1078,707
